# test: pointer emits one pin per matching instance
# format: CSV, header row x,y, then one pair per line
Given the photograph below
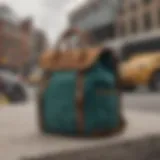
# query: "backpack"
x,y
79,93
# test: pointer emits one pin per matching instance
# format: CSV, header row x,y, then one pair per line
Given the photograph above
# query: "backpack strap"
x,y
80,101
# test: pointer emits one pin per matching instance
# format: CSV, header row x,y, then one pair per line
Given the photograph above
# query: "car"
x,y
143,69
12,87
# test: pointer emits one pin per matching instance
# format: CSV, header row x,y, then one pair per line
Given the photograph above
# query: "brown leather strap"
x,y
80,101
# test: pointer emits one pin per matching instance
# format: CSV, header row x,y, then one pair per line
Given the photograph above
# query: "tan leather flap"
x,y
69,60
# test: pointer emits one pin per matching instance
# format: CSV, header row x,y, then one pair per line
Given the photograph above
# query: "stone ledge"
x,y
147,148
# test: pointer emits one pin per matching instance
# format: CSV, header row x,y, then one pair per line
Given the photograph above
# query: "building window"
x,y
147,21
121,10
83,13
103,33
146,1
95,5
122,30
158,17
134,25
133,5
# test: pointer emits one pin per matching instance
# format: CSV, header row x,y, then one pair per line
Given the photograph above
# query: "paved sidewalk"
x,y
19,136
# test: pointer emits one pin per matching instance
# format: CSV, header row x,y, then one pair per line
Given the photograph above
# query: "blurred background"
x,y
130,27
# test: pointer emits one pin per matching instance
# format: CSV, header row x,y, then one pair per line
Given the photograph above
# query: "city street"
x,y
19,135
94,36
142,102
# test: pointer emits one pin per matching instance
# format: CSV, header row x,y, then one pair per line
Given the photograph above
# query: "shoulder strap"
x,y
80,101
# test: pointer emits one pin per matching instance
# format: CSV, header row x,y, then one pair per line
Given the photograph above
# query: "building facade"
x,y
97,17
20,41
39,44
137,16
137,27
135,23
9,35
14,43
35,42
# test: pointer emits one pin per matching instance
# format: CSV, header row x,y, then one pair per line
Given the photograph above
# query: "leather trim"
x,y
77,59
80,101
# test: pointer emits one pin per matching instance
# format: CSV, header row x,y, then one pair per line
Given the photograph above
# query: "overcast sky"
x,y
47,14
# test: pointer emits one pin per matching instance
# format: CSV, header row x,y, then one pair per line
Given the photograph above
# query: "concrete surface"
x,y
147,148
19,136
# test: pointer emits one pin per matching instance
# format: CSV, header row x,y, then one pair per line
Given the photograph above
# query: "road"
x,y
143,102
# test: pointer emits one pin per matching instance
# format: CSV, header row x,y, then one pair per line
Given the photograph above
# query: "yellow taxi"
x,y
141,69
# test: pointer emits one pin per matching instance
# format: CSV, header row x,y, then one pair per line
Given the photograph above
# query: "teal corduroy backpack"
x,y
80,94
